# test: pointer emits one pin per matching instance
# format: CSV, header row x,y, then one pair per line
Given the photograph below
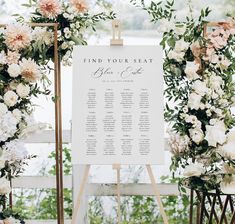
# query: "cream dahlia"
x,y
79,5
18,36
50,8
30,71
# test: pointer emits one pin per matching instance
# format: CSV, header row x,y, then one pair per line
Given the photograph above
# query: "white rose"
x,y
3,109
180,29
17,114
181,45
228,186
14,70
5,187
194,170
216,133
191,70
194,101
10,98
200,87
23,90
196,134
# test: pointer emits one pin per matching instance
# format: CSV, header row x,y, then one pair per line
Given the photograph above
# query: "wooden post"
x,y
117,167
80,193
157,194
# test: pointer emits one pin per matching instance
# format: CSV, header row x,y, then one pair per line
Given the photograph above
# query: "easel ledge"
x,y
117,41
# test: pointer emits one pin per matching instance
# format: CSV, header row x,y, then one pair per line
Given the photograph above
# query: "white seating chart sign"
x,y
117,105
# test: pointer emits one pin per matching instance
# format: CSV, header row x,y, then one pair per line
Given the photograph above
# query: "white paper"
x,y
117,105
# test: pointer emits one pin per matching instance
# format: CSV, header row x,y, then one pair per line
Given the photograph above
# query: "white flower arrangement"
x,y
200,92
25,53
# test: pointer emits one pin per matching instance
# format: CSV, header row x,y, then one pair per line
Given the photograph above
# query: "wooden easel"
x,y
117,41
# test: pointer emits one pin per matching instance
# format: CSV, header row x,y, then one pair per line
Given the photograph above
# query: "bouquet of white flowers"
x,y
200,92
25,53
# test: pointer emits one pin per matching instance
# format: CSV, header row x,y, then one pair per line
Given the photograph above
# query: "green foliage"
x,y
41,203
157,10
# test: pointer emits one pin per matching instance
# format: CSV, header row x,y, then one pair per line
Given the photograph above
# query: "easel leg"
x,y
118,168
157,194
81,190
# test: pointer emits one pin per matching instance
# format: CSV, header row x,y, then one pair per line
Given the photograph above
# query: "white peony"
x,y
191,70
216,133
227,186
3,109
194,101
196,135
181,45
5,187
200,87
228,148
194,170
14,70
23,90
10,98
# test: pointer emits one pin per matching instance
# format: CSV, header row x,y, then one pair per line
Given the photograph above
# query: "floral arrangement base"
x,y
211,208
